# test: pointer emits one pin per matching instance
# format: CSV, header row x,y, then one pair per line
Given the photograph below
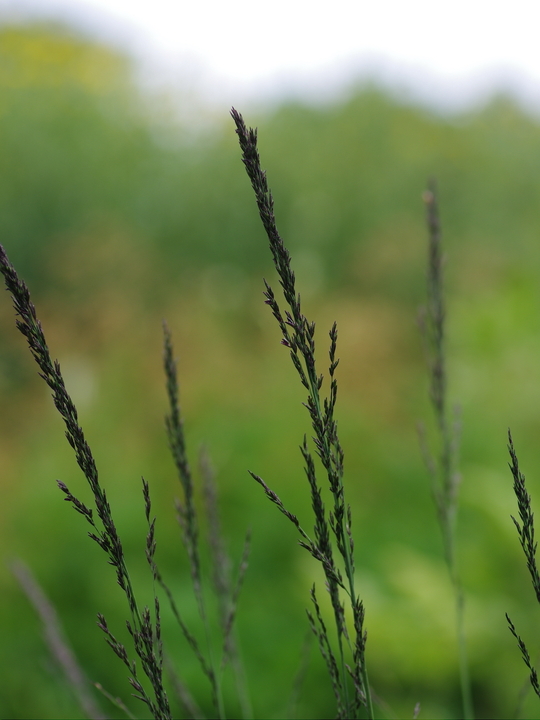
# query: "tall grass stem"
x,y
444,467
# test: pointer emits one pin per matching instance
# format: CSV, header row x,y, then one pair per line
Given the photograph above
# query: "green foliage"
x,y
116,216
73,151
83,152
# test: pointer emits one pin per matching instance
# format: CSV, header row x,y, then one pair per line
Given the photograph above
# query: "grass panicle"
x,y
526,529
526,657
105,533
529,545
444,467
175,432
225,591
298,334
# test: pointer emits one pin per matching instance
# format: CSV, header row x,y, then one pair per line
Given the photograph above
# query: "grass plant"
x,y
144,629
349,681
529,545
444,465
330,541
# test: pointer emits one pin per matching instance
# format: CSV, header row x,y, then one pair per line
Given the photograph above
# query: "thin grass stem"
x,y
56,640
116,701
444,468
225,593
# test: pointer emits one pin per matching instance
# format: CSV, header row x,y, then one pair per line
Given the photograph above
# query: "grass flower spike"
x,y
349,681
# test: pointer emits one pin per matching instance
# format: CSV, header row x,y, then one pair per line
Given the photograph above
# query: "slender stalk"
x,y
187,515
116,701
56,640
226,595
444,469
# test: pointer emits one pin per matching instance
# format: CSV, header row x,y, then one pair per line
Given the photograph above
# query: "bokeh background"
x,y
124,202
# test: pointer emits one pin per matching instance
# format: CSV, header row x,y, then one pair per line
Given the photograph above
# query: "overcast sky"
x,y
447,52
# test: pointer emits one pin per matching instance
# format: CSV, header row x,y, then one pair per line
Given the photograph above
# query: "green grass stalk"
x,y
57,641
225,592
187,515
444,468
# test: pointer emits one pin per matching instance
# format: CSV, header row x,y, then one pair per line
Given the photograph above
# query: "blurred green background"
x,y
118,214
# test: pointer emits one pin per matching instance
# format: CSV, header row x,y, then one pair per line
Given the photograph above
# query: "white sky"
x,y
447,52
